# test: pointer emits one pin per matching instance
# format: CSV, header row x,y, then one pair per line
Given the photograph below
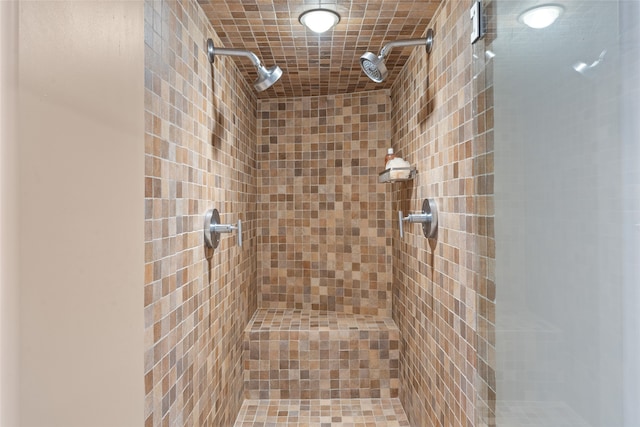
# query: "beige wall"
x,y
80,250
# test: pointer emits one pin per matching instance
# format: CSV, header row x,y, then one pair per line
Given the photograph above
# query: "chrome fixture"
x,y
213,228
266,76
541,16
373,66
428,218
319,20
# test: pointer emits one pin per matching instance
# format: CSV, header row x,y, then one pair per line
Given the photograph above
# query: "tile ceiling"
x,y
318,64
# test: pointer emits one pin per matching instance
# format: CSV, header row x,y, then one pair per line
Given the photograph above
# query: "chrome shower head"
x,y
373,65
266,76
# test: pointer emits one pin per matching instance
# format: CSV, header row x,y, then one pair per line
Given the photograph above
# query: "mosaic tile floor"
x,y
322,413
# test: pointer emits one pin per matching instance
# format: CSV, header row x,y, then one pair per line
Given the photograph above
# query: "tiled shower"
x,y
321,235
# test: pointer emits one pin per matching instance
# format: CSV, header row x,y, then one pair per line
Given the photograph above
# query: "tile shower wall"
x,y
200,153
324,225
435,284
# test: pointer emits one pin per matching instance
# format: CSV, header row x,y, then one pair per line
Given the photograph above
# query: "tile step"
x,y
303,354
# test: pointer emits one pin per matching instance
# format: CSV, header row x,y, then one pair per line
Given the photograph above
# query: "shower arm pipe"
x,y
399,43
426,41
213,51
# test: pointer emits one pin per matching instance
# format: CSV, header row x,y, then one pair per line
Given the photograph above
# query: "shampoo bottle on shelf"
x,y
388,157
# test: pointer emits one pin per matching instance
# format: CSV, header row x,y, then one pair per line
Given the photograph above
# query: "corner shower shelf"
x,y
397,174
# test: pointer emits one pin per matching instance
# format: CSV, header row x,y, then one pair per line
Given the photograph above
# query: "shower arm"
x,y
213,51
427,42
399,43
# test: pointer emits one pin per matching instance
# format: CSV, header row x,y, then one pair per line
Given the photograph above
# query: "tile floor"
x,y
322,413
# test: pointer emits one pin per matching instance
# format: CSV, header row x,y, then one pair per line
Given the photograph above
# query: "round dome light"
x,y
541,16
319,20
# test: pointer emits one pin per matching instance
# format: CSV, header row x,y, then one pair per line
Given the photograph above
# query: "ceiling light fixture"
x,y
319,20
541,16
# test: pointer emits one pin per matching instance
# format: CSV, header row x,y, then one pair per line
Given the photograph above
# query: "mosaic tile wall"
x,y
435,283
324,224
200,153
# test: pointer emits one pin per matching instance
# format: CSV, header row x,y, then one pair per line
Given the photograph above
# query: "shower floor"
x,y
322,413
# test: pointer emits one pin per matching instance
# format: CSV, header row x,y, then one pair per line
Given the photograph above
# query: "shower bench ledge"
x,y
307,354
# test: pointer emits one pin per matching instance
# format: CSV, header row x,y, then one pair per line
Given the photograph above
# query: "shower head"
x,y
373,65
266,76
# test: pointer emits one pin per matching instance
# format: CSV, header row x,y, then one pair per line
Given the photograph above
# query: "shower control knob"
x,y
428,218
213,228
